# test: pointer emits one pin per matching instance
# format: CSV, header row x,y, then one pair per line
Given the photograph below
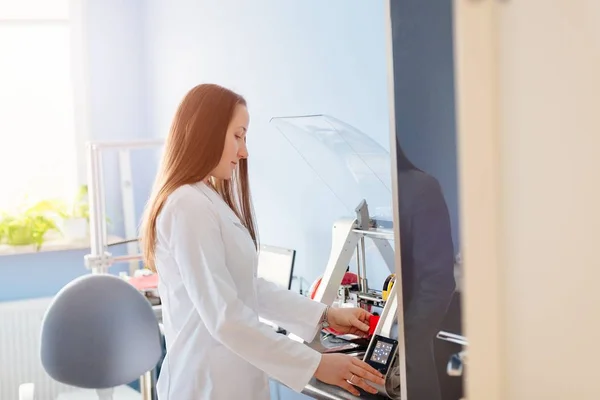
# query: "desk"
x,y
323,391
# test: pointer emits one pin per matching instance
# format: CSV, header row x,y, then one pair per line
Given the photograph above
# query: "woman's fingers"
x,y
348,373
358,332
362,374
364,385
367,368
359,325
349,387
367,375
364,379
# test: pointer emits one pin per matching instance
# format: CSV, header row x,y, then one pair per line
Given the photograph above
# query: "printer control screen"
x,y
382,352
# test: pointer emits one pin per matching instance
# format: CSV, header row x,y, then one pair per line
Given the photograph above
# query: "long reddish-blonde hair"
x,y
192,150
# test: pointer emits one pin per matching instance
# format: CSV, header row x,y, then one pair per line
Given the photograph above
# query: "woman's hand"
x,y
344,371
353,320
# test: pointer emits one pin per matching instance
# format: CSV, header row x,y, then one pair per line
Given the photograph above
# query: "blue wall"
x,y
286,58
115,38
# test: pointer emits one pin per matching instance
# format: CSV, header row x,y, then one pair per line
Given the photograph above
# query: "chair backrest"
x,y
99,332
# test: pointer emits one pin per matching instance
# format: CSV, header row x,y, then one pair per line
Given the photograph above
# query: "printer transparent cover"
x,y
351,164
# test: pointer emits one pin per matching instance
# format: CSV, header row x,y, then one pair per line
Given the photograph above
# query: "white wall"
x,y
286,58
530,173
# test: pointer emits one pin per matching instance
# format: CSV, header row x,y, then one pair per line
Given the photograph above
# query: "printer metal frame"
x,y
348,237
99,260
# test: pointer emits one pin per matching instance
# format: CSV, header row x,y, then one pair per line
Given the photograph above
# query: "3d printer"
x,y
384,349
357,170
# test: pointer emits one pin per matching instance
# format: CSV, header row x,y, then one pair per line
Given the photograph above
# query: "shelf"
x,y
51,246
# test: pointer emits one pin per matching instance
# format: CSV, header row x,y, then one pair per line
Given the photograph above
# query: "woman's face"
x,y
235,144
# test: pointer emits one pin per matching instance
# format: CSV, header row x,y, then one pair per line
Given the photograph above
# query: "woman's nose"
x,y
243,151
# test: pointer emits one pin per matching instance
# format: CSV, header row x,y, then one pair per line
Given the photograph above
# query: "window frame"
x,y
79,76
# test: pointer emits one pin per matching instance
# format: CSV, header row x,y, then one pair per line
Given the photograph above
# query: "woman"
x,y
427,273
199,235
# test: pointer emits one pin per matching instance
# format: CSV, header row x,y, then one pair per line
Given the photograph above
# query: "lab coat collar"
x,y
218,201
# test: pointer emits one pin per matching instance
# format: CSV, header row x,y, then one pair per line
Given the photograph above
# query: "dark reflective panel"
x,y
427,193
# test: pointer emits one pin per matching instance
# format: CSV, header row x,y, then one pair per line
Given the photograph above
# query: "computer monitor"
x,y
276,264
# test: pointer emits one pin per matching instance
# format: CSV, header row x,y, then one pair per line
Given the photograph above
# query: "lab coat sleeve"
x,y
196,241
289,310
433,257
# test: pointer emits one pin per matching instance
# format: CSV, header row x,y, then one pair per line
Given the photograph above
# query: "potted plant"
x,y
76,223
30,226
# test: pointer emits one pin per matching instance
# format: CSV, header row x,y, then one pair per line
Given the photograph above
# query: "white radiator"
x,y
20,324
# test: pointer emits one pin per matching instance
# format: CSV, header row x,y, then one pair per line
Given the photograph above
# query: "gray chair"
x,y
98,333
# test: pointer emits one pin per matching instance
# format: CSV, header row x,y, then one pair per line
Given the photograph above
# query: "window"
x,y
38,141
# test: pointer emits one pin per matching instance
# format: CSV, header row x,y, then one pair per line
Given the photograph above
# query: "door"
x,y
529,135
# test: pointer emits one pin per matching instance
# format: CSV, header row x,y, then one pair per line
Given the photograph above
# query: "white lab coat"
x,y
216,347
